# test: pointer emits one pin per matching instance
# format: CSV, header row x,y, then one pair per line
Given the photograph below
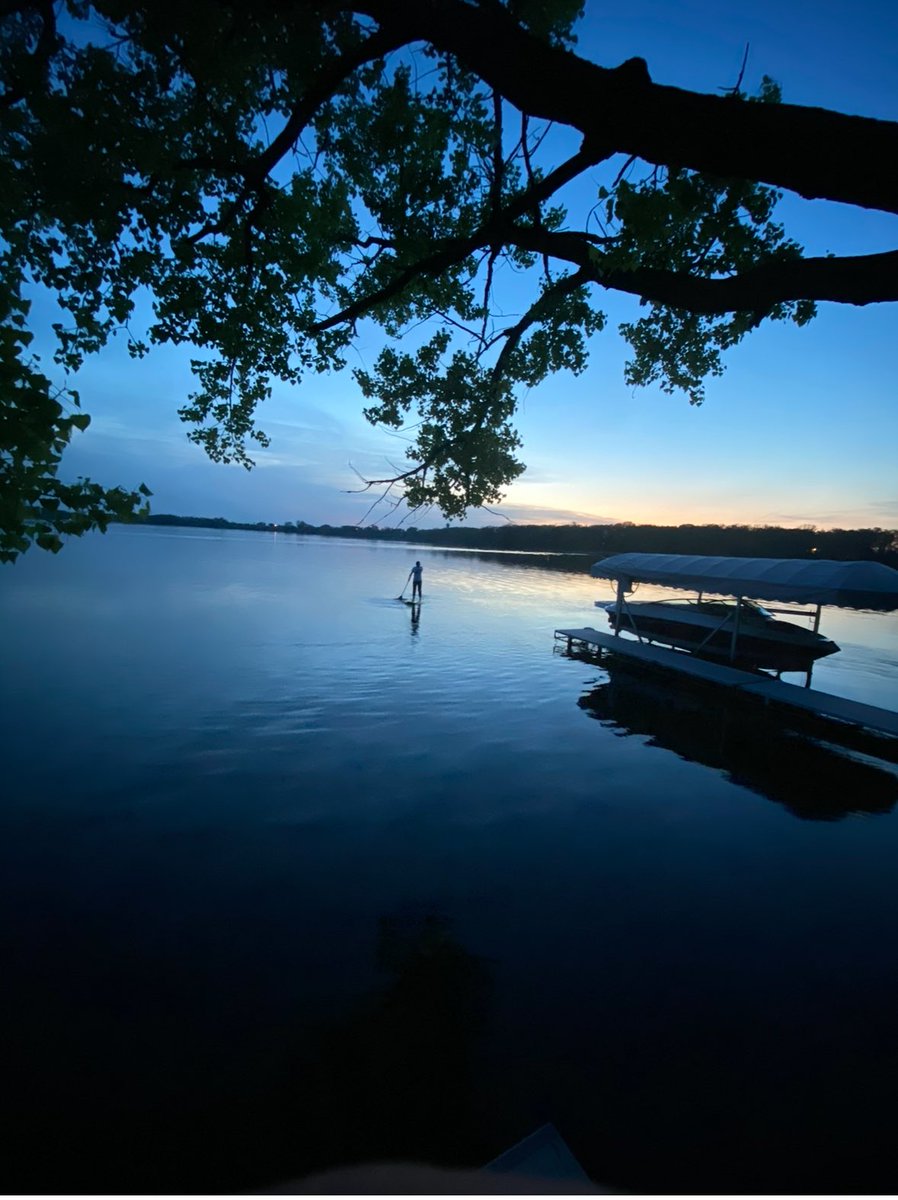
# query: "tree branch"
x,y
777,144
255,172
861,279
329,79
457,250
547,301
37,63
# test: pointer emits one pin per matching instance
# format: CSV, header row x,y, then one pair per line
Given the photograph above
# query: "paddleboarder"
x,y
415,576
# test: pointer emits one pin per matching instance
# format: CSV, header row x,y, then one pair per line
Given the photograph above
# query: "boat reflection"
x,y
814,781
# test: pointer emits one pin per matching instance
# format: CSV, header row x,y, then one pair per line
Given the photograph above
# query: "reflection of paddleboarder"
x,y
415,576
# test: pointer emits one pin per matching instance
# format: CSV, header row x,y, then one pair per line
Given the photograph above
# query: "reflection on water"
x,y
393,1078
226,757
399,1074
750,747
415,612
567,564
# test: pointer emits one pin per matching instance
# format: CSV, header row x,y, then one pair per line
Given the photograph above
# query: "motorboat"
x,y
706,628
726,622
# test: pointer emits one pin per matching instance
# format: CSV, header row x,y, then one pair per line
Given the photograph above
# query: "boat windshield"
x,y
751,612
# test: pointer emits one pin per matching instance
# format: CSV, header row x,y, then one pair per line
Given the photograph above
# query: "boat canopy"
x,y
869,585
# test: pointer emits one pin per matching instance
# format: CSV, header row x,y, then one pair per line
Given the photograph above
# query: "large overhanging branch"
x,y
456,250
817,153
859,279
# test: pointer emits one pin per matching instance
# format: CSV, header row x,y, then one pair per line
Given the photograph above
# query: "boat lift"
x,y
733,618
858,585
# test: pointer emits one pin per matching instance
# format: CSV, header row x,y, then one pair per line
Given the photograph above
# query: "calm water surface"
x,y
293,875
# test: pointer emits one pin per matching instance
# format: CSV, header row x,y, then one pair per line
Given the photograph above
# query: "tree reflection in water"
x,y
404,1065
392,1080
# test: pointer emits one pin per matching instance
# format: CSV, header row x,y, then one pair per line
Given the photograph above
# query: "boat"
x,y
732,626
705,628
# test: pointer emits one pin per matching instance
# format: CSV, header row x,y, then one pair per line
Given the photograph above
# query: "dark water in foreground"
x,y
290,878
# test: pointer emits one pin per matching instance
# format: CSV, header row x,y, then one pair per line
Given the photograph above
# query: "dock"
x,y
747,683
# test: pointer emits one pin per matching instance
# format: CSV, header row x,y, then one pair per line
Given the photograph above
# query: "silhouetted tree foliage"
x,y
748,541
268,176
596,541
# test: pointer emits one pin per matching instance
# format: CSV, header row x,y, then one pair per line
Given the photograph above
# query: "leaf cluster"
x,y
36,424
694,225
265,178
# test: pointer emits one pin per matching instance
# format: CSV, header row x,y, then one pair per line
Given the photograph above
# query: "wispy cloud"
x,y
312,422
875,513
544,514
112,442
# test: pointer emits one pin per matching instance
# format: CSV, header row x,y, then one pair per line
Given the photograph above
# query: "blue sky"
x,y
801,428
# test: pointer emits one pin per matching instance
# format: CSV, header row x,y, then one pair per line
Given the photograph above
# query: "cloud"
x,y
542,514
874,513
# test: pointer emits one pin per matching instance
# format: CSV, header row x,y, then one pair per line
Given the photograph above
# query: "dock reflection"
x,y
813,780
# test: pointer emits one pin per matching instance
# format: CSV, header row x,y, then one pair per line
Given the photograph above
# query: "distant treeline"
x,y
749,541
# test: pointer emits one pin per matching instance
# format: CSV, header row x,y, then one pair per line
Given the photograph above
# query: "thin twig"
x,y
737,86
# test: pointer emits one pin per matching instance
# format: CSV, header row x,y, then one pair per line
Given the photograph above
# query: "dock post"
x,y
620,606
735,629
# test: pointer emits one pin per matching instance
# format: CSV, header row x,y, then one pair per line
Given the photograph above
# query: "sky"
x,y
801,429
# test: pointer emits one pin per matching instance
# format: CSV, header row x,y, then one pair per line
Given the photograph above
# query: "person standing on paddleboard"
x,y
415,576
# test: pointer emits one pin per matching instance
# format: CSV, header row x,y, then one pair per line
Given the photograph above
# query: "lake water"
x,y
294,875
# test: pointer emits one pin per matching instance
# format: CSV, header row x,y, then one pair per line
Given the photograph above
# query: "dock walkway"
x,y
821,704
